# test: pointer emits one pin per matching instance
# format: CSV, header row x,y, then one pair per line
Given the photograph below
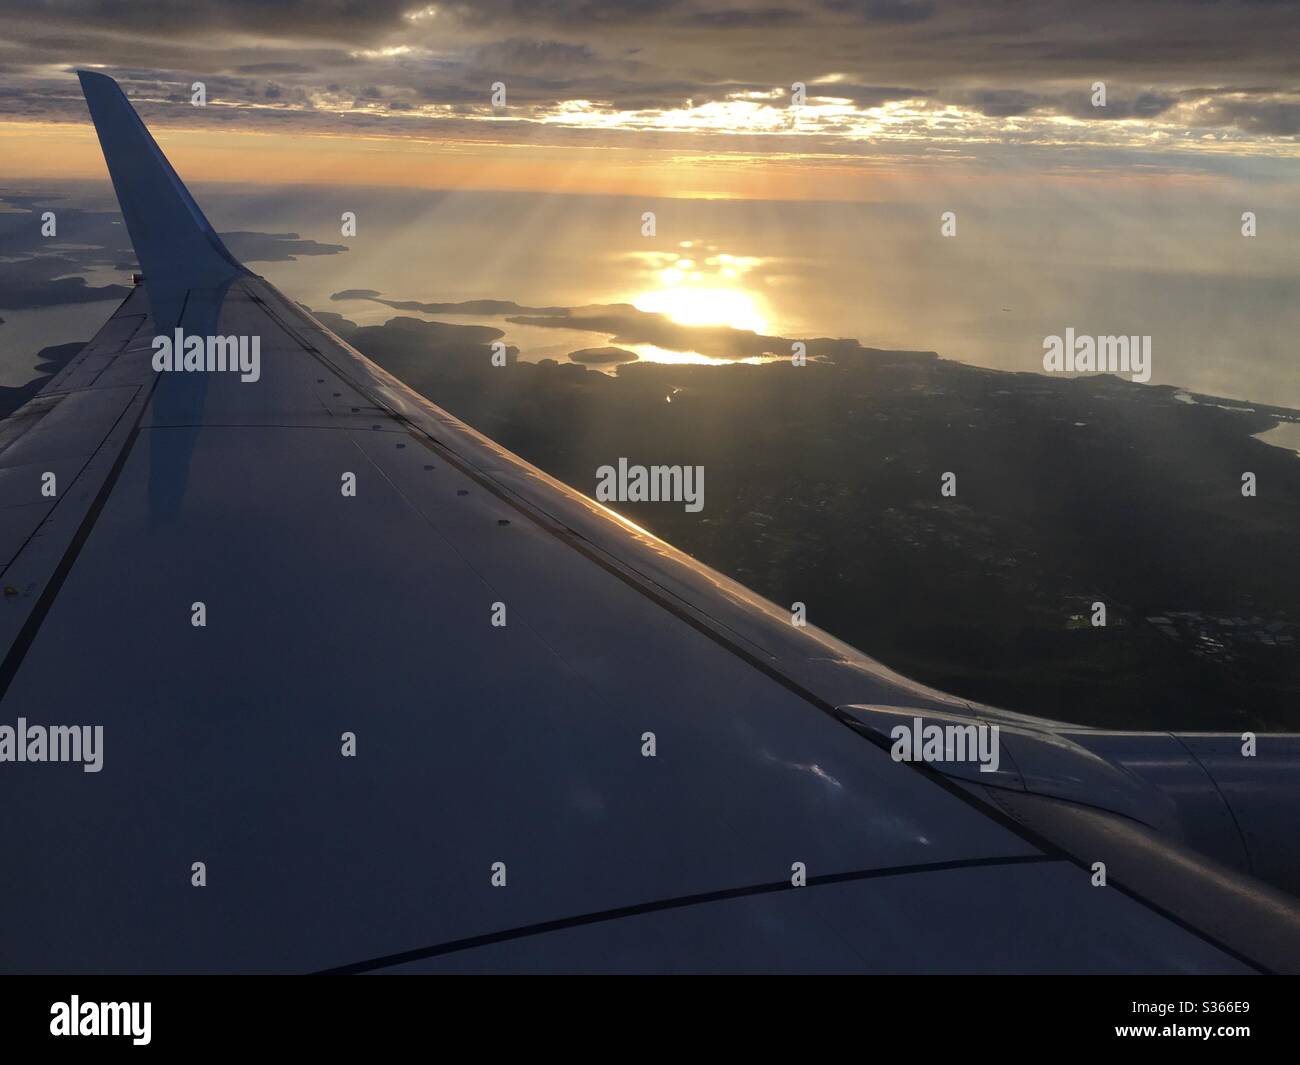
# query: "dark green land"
x,y
822,485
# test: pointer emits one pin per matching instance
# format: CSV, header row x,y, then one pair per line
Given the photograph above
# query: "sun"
x,y
691,305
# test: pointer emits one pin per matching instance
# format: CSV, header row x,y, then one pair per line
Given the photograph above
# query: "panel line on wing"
x,y
680,902
27,634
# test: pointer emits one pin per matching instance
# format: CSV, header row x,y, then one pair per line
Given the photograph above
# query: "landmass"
x,y
824,487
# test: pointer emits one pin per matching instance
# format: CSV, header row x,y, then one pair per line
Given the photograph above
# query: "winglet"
x,y
176,245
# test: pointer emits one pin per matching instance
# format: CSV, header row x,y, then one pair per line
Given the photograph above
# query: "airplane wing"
x,y
322,751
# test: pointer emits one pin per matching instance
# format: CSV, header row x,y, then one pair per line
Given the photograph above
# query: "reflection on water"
x,y
24,333
1102,259
1219,307
700,284
1286,435
688,304
651,353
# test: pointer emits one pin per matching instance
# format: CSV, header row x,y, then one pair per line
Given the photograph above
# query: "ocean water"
x,y
1172,264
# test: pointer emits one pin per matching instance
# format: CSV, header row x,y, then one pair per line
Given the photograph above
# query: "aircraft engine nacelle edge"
x,y
1215,793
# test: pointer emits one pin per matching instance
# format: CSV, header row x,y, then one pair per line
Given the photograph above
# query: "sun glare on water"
x,y
691,305
700,285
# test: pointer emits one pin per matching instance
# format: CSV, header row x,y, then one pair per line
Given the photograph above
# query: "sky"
x,y
687,98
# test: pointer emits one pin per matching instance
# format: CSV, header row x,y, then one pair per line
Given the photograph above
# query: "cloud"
x,y
532,55
733,18
884,10
1272,116
329,20
910,74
